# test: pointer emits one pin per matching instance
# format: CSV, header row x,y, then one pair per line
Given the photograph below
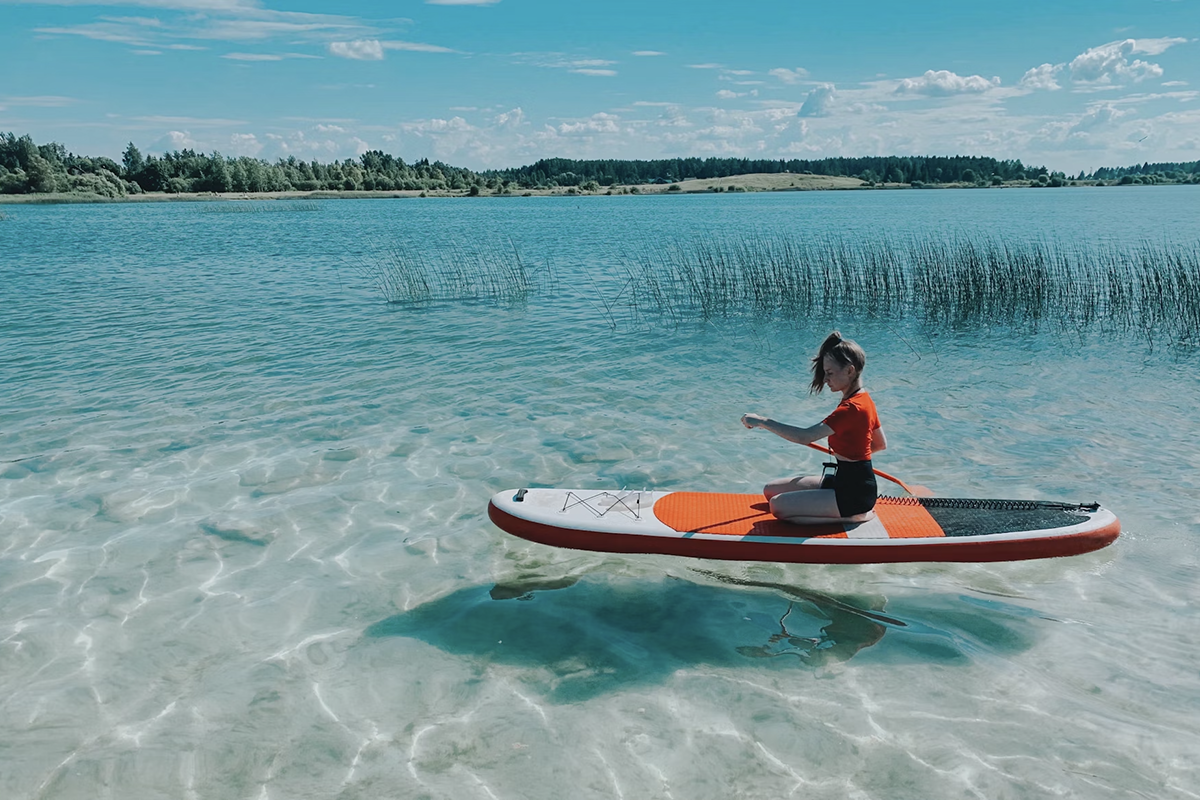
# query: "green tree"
x,y
133,161
216,176
40,175
13,182
103,183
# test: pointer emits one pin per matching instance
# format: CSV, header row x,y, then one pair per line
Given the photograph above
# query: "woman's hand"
x,y
754,420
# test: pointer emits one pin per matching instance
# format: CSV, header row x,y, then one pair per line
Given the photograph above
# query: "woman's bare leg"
x,y
801,483
806,507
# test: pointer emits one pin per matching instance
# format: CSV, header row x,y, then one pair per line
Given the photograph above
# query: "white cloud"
x,y
220,20
648,53
120,33
145,22
441,125
448,139
704,66
265,56
269,25
789,76
597,123
253,56
1175,83
1141,98
1154,47
673,117
1098,117
1110,62
359,49
943,82
510,119
298,144
1043,77
725,94
1081,130
175,140
817,102
244,144
415,47
174,5
596,67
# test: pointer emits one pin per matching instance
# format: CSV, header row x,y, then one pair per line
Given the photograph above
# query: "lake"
x,y
244,550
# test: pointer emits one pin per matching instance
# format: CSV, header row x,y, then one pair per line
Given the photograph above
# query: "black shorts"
x,y
854,486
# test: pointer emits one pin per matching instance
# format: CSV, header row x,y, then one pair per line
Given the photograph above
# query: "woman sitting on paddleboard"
x,y
848,495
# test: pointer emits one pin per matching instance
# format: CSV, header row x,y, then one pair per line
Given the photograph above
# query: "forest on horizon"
x,y
30,168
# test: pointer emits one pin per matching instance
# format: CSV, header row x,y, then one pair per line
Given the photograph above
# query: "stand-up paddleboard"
x,y
740,527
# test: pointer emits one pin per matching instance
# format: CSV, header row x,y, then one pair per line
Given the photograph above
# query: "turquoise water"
x,y
244,550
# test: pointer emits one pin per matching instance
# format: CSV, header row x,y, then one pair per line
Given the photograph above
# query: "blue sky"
x,y
495,83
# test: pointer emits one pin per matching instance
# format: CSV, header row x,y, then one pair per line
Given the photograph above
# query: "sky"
x,y
1069,85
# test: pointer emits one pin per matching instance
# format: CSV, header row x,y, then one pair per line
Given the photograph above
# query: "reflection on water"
x,y
596,634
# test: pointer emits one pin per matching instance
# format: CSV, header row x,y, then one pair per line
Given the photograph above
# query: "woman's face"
x,y
838,377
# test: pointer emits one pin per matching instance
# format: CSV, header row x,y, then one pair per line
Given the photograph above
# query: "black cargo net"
x,y
981,517
988,504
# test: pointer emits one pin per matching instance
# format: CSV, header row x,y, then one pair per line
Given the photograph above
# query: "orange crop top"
x,y
853,422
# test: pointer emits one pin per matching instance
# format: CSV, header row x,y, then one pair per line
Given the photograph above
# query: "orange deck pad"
x,y
750,515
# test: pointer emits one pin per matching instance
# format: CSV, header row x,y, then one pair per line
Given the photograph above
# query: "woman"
x,y
848,495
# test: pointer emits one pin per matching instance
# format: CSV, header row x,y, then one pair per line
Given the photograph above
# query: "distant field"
x,y
768,182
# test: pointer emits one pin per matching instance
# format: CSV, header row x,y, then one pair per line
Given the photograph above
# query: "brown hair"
x,y
843,352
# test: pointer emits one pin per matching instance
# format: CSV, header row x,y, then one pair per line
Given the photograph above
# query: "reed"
x,y
1150,289
273,207
407,274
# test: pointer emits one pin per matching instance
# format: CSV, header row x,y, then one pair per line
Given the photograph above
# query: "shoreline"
x,y
733,184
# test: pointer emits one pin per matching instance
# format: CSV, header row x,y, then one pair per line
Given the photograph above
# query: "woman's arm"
x,y
878,440
789,432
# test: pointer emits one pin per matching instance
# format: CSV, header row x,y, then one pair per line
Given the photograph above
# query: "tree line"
x,y
1166,172
889,169
26,167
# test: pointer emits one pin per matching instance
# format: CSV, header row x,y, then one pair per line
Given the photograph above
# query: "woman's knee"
x,y
797,484
777,487
805,504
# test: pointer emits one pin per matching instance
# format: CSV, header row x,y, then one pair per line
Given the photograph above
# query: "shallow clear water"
x,y
244,549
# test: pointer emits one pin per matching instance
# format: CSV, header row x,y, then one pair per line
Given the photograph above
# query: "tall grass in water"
x,y
271,207
403,274
1152,289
